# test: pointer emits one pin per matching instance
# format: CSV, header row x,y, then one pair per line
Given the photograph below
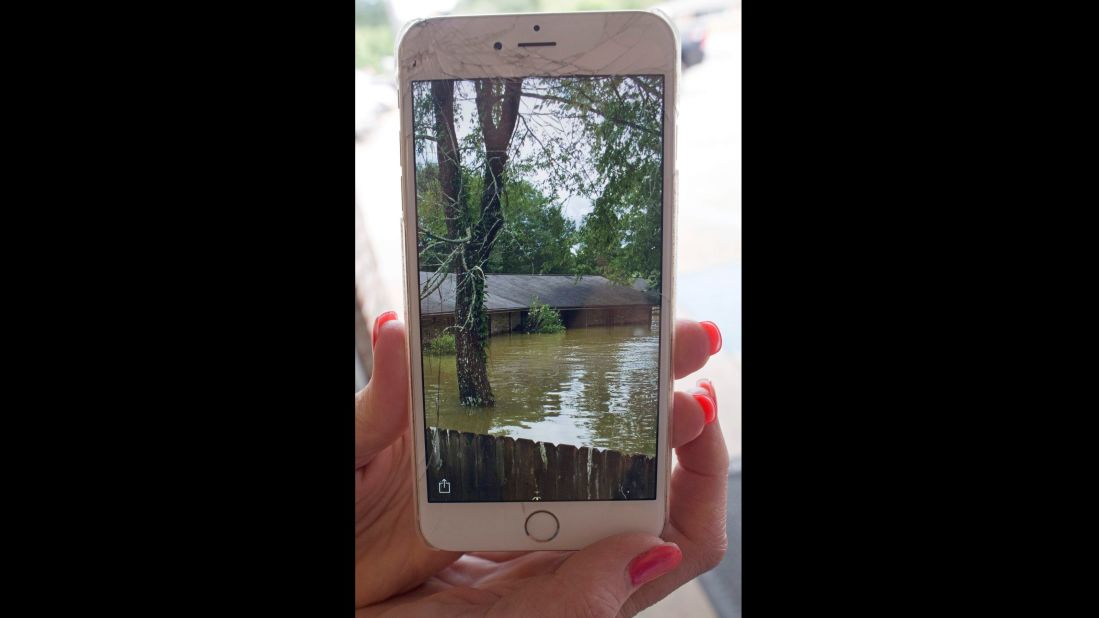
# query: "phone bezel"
x,y
588,43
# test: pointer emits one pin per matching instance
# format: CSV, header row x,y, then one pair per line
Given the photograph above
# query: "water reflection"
x,y
593,386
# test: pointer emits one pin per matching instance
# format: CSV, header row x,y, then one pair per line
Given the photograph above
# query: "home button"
x,y
541,526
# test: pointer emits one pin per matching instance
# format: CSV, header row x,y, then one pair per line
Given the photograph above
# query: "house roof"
x,y
514,292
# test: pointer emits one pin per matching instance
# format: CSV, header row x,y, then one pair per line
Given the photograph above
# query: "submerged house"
x,y
589,301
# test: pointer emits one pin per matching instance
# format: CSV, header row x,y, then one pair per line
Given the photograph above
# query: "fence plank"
x,y
468,472
503,470
634,479
614,474
552,462
488,482
457,462
525,482
491,468
583,473
651,476
599,471
566,472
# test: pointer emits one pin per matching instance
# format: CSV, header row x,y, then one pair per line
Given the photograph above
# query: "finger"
x,y
381,409
467,570
708,386
697,519
691,411
604,575
695,342
529,565
698,486
498,556
597,580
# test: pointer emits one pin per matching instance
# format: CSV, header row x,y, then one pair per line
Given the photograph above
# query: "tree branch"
x,y
615,119
453,241
647,88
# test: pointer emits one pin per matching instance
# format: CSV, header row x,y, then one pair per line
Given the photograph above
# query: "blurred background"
x,y
708,284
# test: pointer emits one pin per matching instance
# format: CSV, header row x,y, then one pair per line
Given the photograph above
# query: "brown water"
x,y
593,386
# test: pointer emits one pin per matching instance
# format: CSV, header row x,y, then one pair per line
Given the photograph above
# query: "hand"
x,y
620,575
390,555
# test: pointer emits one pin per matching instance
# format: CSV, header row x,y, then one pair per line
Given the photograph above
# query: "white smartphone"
x,y
538,160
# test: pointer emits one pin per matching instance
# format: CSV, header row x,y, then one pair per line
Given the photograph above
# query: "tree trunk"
x,y
470,356
469,340
470,317
497,135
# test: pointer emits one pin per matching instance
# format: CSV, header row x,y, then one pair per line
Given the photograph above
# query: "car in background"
x,y
690,17
693,39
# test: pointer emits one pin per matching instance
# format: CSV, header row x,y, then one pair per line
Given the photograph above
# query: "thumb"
x,y
381,409
598,580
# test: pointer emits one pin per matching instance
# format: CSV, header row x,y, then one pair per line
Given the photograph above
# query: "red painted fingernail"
x,y
709,386
715,336
381,319
654,563
709,406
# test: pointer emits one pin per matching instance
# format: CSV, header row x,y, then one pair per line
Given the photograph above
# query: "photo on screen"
x,y
539,210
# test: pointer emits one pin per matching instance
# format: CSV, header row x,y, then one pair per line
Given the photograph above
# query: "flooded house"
x,y
588,301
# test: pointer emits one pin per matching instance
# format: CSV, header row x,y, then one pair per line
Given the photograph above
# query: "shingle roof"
x,y
513,292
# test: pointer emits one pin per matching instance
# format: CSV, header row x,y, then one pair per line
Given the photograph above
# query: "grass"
x,y
440,346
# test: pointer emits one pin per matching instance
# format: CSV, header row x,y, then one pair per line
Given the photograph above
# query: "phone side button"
x,y
542,526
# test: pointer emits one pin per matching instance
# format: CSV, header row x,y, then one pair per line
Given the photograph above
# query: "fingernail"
x,y
654,563
709,387
715,336
381,319
709,406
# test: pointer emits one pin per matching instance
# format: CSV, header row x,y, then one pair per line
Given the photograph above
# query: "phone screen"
x,y
539,210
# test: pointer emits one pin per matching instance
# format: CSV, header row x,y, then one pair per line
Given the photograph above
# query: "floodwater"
x,y
594,386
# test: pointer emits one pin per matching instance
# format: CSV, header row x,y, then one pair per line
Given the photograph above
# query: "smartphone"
x,y
538,180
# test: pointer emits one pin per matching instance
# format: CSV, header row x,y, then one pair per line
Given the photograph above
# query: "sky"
x,y
406,10
573,206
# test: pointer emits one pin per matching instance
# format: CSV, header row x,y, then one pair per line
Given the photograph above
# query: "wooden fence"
x,y
477,467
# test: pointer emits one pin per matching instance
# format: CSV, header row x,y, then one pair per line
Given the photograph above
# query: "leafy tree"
x,y
471,235
536,238
622,132
494,158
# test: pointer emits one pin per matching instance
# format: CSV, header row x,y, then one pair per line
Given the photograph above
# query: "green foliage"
x,y
370,12
620,239
543,319
373,34
372,43
594,138
537,238
608,150
435,252
440,346
481,319
600,138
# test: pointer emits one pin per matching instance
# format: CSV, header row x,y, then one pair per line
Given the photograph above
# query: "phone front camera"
x,y
497,45
537,27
